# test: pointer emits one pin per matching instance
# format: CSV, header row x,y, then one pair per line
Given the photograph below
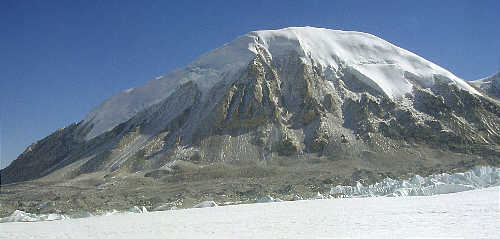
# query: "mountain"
x,y
490,84
383,67
272,111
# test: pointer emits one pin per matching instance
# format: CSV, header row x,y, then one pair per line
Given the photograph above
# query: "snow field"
x,y
471,214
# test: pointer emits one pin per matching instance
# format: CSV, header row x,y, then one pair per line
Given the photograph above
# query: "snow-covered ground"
x,y
470,214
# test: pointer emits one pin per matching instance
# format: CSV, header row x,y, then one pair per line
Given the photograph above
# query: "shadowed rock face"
x,y
43,155
276,108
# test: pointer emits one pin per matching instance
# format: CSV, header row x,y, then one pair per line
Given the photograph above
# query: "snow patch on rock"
x,y
20,216
318,195
297,198
136,209
268,199
205,204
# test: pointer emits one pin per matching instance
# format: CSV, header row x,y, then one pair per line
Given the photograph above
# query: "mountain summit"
x,y
383,67
276,112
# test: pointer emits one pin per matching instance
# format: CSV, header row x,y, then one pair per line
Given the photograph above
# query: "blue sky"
x,y
59,59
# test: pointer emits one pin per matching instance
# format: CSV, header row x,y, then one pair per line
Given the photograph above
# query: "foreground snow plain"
x,y
470,214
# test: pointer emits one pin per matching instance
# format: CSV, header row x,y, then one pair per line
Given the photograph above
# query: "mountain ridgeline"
x,y
347,99
490,85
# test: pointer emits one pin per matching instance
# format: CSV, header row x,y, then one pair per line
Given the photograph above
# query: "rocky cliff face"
x,y
284,103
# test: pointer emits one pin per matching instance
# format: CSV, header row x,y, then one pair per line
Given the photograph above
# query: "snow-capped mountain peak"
x,y
383,66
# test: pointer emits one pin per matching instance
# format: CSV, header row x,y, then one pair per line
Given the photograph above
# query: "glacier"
x,y
470,214
444,183
478,177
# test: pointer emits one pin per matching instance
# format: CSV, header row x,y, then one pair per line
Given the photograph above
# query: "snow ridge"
x,y
489,84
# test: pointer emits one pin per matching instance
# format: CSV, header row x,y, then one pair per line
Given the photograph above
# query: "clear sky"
x,y
59,59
